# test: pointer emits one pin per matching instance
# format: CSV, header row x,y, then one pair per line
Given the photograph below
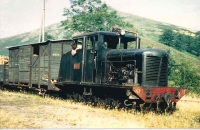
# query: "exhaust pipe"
x,y
137,42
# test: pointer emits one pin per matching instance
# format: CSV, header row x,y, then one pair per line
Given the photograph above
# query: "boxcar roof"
x,y
103,33
77,36
10,47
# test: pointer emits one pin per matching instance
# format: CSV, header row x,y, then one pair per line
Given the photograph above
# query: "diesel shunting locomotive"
x,y
100,68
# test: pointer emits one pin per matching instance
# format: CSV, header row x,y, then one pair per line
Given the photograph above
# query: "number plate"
x,y
77,66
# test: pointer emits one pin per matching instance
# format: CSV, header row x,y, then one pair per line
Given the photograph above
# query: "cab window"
x,y
91,42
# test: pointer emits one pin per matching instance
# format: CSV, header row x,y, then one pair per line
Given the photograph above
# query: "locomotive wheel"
x,y
111,100
167,104
170,108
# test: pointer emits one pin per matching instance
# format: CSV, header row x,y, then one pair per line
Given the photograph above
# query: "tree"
x,y
48,37
197,41
181,42
198,33
167,37
91,15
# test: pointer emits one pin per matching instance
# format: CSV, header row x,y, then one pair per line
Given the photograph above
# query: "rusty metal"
x,y
158,91
76,65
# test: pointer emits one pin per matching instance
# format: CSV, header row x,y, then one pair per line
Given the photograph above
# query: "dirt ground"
x,y
31,111
18,110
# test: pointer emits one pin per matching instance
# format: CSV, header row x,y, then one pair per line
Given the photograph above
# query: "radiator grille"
x,y
156,70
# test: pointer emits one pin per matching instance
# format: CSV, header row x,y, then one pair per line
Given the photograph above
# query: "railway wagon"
x,y
110,70
3,70
3,74
36,65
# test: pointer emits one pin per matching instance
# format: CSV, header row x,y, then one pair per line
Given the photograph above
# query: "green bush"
x,y
181,42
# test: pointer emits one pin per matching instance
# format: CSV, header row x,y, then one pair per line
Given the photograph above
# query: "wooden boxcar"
x,y
3,74
36,65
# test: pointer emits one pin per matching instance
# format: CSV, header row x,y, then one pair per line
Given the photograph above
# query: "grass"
x,y
18,110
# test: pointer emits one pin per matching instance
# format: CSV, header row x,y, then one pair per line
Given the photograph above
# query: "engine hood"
x,y
135,52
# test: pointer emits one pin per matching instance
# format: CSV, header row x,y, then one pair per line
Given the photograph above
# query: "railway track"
x,y
101,102
189,101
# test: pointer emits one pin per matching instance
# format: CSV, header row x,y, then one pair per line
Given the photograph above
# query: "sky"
x,y
20,16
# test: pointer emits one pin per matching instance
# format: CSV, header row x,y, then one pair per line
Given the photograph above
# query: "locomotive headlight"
x,y
122,32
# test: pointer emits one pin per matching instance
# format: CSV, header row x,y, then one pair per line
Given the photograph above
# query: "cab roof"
x,y
103,33
45,42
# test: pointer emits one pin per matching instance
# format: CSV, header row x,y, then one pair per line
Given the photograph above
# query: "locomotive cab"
x,y
88,65
113,59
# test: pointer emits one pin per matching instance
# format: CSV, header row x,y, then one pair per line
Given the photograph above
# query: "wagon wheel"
x,y
42,92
